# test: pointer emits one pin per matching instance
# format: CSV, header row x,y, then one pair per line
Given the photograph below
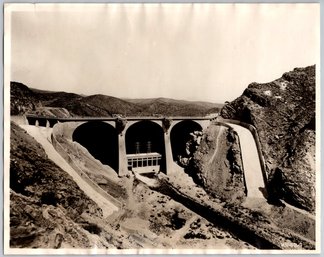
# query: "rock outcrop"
x,y
191,146
216,164
283,112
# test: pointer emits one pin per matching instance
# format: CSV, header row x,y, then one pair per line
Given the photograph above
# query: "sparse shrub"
x,y
192,235
177,222
92,228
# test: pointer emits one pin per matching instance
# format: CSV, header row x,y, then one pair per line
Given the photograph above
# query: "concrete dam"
x,y
150,144
138,143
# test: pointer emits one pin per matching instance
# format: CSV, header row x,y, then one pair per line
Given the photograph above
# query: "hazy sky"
x,y
191,51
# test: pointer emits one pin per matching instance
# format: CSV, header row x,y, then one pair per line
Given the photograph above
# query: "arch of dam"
x,y
132,142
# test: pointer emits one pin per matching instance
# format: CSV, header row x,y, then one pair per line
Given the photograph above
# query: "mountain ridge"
x,y
23,99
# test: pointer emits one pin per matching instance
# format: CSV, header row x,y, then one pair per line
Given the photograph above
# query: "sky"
x,y
205,52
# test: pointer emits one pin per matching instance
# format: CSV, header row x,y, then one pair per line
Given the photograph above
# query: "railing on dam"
x,y
50,121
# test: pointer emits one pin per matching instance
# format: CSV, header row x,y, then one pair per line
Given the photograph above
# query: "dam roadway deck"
x,y
129,118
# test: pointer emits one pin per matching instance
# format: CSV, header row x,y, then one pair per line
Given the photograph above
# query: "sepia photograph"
x,y
159,128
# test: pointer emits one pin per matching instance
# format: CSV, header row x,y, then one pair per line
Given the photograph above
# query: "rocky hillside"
x,y
24,99
52,112
283,112
172,107
55,99
216,165
102,105
46,205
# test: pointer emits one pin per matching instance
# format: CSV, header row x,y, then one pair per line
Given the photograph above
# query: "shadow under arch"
x,y
101,140
180,135
146,136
